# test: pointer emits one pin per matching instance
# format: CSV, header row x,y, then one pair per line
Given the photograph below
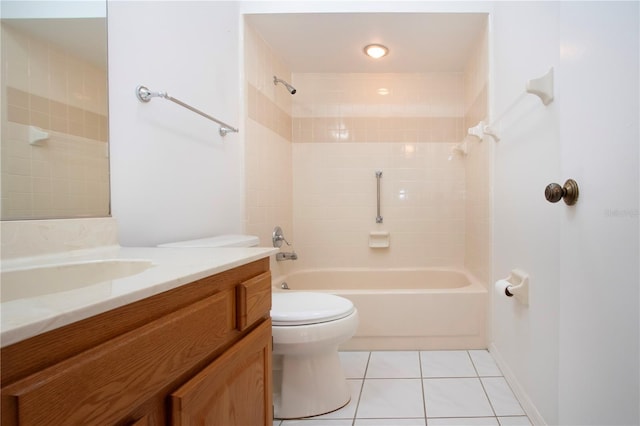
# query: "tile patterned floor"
x,y
426,388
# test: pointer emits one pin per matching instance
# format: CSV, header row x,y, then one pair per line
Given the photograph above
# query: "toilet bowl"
x,y
307,375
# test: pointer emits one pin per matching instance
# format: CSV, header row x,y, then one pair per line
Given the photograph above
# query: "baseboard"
x,y
527,405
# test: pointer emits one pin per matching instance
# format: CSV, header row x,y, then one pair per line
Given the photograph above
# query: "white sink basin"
x,y
42,280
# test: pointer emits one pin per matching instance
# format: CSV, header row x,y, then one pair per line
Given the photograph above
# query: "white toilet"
x,y
307,375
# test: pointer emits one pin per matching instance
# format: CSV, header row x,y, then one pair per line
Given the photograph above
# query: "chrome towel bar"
x,y
144,95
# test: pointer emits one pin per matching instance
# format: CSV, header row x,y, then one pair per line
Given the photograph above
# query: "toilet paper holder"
x,y
517,285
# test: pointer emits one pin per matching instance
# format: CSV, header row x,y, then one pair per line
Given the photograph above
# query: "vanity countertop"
x,y
172,267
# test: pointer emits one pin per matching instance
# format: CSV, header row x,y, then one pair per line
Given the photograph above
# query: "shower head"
x,y
289,87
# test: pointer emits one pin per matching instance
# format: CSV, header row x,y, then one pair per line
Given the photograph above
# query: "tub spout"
x,y
286,256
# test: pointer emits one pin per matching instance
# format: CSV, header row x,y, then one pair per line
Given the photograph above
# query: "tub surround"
x,y
172,268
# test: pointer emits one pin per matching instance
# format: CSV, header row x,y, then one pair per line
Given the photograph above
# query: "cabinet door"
x,y
234,390
102,385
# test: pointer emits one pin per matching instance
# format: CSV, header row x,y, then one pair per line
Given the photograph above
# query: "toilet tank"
x,y
231,240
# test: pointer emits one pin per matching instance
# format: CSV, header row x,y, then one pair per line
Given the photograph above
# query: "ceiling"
x,y
334,42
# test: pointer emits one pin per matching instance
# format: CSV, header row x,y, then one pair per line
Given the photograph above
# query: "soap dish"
x,y
379,239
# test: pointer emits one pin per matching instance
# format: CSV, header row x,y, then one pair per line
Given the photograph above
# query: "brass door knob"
x,y
569,192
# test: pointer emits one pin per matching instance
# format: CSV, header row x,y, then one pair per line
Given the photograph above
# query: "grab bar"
x,y
145,95
378,177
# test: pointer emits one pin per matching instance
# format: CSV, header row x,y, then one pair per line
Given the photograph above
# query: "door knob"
x,y
569,192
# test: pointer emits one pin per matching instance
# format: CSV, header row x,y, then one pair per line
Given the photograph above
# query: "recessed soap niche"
x,y
379,239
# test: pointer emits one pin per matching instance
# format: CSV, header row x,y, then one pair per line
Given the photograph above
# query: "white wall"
x,y
526,235
173,176
572,355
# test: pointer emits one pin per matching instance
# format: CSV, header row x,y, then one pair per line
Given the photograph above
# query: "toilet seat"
x,y
305,308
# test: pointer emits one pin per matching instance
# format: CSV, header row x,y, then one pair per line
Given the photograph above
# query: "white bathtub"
x,y
405,309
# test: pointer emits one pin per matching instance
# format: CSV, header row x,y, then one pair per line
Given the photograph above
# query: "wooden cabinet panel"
x,y
142,422
234,390
253,298
101,385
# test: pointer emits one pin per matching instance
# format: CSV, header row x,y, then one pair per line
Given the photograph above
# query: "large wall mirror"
x,y
54,138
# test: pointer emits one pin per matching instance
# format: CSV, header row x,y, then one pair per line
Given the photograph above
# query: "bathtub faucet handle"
x,y
278,237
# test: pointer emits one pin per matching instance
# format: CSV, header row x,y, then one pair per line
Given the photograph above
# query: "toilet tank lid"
x,y
232,240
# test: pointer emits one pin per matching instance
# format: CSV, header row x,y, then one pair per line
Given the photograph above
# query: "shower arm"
x,y
289,87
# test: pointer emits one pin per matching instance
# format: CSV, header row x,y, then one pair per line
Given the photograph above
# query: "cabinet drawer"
x,y
253,300
103,384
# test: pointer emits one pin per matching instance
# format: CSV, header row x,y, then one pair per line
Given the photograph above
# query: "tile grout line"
x,y
364,376
473,364
424,398
487,394
483,388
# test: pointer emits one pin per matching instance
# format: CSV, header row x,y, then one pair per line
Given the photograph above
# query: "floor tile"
x,y
466,421
514,421
390,422
349,410
456,398
315,422
393,365
354,364
446,364
502,398
391,398
484,363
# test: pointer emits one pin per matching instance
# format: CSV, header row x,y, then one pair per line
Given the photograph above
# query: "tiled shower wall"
x,y
56,91
478,166
348,126
322,189
268,174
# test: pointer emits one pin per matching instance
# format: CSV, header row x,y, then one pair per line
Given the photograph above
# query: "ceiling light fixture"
x,y
376,51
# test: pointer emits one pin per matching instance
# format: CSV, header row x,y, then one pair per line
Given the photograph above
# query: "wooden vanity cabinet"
x,y
197,354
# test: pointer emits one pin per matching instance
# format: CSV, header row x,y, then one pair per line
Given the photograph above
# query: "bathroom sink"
x,y
43,280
